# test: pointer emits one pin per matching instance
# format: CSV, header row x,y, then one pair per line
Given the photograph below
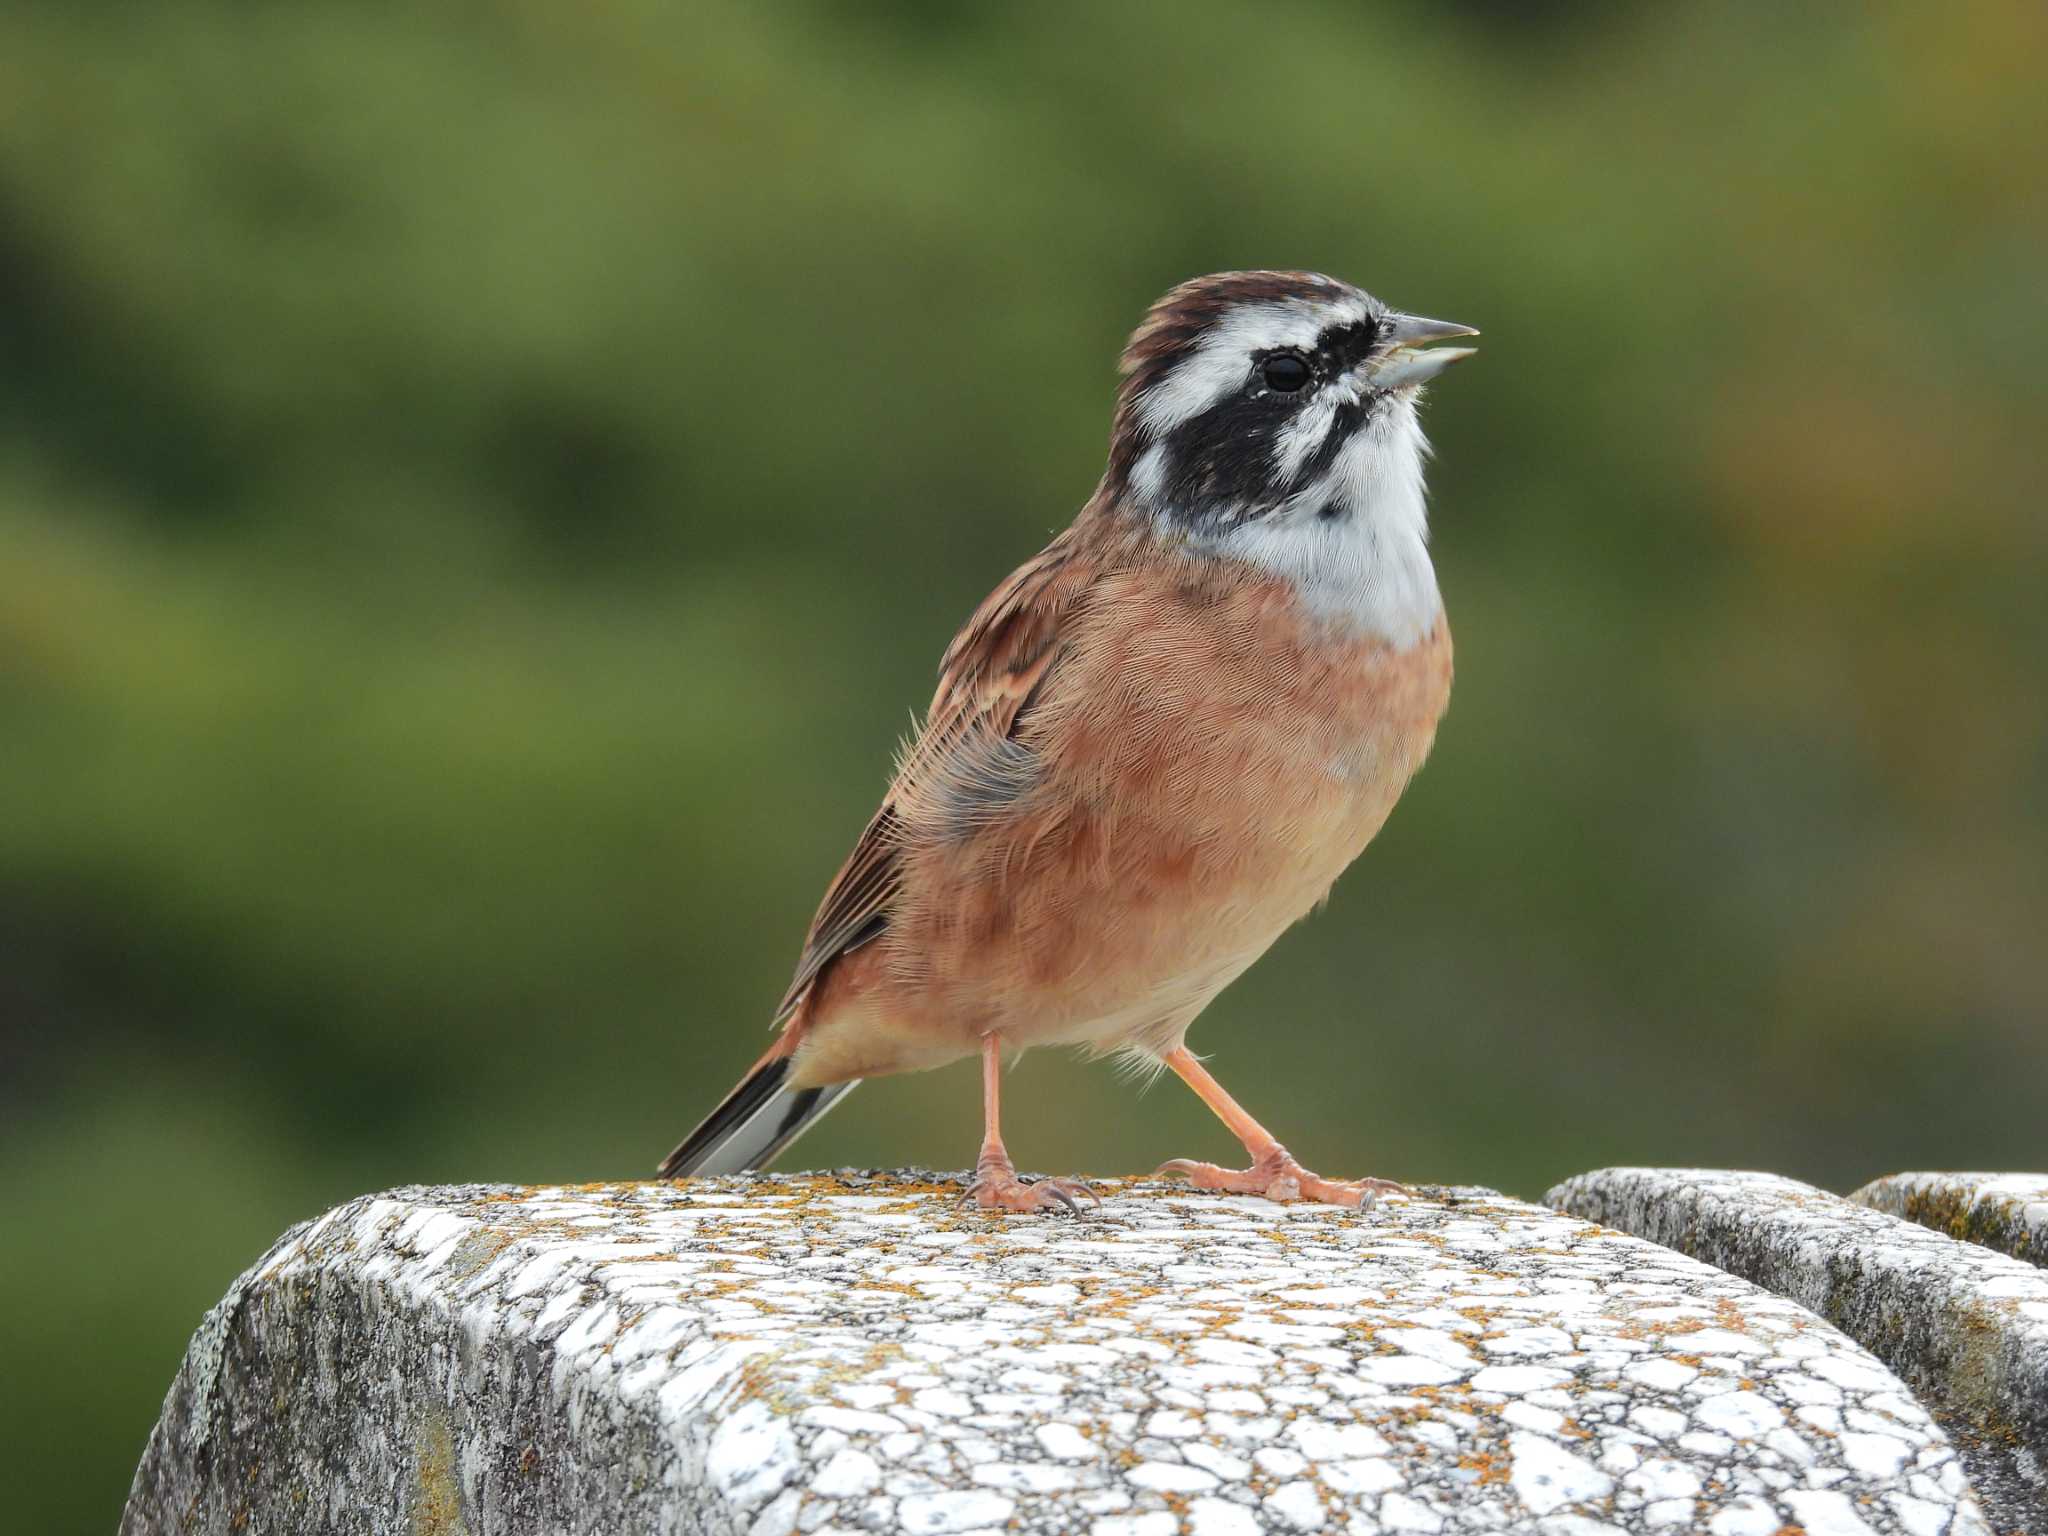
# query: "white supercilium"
x,y
1217,366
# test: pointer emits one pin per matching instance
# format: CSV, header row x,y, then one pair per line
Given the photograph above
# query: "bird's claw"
x,y
1000,1189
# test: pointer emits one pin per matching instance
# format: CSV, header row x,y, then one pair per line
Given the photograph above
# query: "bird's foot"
x,y
997,1187
1278,1176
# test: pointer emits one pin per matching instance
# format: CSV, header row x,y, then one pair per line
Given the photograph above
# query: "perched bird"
x,y
1154,746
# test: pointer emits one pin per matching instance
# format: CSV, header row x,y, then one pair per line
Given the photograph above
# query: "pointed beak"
x,y
1405,361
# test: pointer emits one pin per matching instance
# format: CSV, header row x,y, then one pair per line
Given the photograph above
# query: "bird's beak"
x,y
1405,361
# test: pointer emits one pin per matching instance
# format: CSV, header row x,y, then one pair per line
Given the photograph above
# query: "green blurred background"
x,y
482,486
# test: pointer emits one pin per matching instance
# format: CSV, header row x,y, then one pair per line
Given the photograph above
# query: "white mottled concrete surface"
x,y
853,1353
1965,1327
2006,1211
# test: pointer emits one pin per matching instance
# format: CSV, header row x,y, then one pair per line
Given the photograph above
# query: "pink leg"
x,y
1274,1173
996,1186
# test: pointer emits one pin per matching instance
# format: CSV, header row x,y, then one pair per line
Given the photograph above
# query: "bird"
x,y
1153,747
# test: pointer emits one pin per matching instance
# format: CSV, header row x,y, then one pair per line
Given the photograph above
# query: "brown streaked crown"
x,y
1176,324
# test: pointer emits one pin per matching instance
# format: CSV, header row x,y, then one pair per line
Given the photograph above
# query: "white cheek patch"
x,y
1221,364
1301,437
1150,470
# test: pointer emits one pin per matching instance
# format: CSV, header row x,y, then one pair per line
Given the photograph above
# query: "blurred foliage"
x,y
482,485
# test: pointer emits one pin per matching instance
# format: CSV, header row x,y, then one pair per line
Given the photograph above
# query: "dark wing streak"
x,y
986,678
854,909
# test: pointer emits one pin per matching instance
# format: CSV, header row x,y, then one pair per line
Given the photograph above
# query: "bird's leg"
x,y
996,1186
1274,1173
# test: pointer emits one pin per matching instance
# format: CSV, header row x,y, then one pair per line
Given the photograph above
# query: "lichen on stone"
x,y
1964,1328
854,1352
2004,1211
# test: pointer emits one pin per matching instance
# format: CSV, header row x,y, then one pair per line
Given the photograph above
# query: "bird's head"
x,y
1259,396
1269,418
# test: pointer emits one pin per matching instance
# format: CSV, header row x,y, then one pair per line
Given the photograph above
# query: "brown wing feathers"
x,y
986,680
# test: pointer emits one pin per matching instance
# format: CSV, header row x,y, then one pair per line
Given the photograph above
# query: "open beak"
x,y
1406,361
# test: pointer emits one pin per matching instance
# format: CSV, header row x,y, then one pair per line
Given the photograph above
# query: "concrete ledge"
x,y
1967,1329
2006,1211
852,1353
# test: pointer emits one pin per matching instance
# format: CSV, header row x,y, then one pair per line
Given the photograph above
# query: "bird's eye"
x,y
1284,372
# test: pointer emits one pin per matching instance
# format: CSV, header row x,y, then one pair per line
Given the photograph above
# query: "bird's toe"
x,y
1280,1178
1008,1192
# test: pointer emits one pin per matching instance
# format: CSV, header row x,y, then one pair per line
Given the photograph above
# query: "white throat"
x,y
1366,565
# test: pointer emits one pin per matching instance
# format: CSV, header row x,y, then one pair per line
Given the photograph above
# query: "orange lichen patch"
x,y
1491,1466
1729,1316
437,1505
758,1381
476,1252
1948,1209
883,1287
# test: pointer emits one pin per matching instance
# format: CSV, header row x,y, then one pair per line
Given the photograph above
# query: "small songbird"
x,y
1154,746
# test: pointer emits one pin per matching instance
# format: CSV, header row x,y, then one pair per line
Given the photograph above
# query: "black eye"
x,y
1284,372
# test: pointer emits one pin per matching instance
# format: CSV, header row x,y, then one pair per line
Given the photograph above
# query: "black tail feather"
x,y
755,1122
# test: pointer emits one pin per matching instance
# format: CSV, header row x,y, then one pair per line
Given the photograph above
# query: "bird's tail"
x,y
756,1120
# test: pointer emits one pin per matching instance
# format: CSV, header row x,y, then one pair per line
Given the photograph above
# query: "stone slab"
x,y
2006,1211
854,1353
1967,1329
